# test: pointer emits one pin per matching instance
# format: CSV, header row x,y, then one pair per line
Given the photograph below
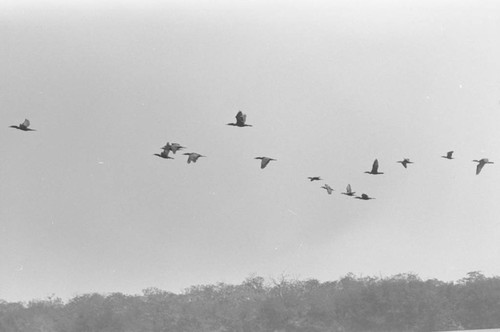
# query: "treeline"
x,y
402,302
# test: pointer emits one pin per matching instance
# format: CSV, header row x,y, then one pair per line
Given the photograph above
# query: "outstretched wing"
x,y
241,118
264,162
328,189
479,168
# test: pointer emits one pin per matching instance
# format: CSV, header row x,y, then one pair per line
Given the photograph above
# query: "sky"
x,y
85,206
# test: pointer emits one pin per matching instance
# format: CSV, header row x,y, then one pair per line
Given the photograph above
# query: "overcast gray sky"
x,y
327,86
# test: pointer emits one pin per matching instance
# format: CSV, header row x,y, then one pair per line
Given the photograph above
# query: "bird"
x,y
314,178
404,162
328,189
448,155
174,147
349,192
24,126
193,157
481,164
163,154
374,168
364,197
240,120
265,161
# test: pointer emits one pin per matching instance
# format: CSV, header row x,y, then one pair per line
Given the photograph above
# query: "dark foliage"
x,y
400,303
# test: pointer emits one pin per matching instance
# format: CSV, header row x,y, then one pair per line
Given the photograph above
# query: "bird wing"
x,y
240,118
26,123
195,157
348,189
364,196
449,154
479,167
375,166
264,162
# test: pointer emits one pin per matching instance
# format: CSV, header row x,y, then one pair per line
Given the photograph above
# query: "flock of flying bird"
x,y
241,122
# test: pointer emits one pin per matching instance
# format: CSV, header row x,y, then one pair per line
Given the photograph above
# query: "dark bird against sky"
x,y
481,164
240,120
348,192
448,155
174,147
264,161
374,168
314,178
364,197
405,162
193,157
328,189
24,126
163,154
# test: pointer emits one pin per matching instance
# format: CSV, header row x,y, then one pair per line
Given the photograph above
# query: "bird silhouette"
x,y
328,189
448,155
24,126
374,168
314,178
174,147
163,154
193,157
240,120
481,164
265,161
349,192
364,197
405,162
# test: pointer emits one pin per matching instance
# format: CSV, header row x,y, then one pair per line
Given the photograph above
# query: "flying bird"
x,y
24,126
448,155
174,147
193,157
405,162
314,178
481,164
349,192
240,120
265,161
163,154
374,168
364,197
328,189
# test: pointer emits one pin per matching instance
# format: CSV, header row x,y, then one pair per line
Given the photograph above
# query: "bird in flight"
x,y
374,168
328,189
24,126
174,147
163,154
448,155
240,120
405,162
193,157
481,164
265,161
314,178
348,190
364,197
